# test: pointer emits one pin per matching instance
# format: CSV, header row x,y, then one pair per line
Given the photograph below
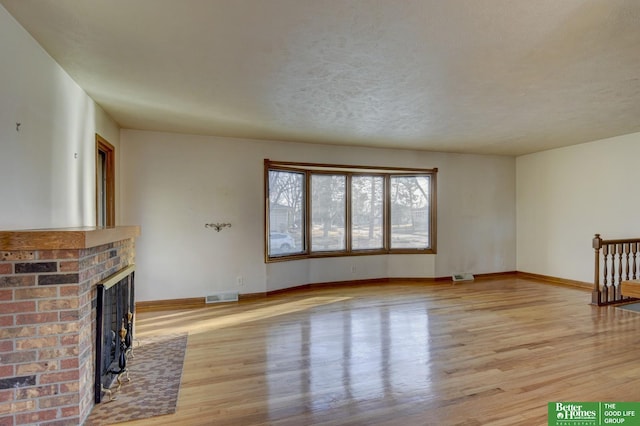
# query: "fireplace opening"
x,y
115,304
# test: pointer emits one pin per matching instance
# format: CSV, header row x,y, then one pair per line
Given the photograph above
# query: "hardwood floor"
x,y
489,352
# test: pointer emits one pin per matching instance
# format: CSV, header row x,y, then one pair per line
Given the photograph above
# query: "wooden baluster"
x,y
627,250
595,293
634,250
615,265
612,276
620,250
605,256
605,284
613,249
616,288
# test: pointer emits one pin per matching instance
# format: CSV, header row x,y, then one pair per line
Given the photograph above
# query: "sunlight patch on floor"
x,y
195,326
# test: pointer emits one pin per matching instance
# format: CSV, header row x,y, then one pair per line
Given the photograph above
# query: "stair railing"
x,y
615,261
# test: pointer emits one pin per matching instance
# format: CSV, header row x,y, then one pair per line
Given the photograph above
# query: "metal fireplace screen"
x,y
115,306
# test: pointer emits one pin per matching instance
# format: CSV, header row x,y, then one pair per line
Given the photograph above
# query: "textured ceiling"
x,y
493,76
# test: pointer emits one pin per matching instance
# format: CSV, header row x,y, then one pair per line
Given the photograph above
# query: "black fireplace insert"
x,y
115,306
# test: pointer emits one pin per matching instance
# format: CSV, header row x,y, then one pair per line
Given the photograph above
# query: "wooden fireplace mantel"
x,y
65,238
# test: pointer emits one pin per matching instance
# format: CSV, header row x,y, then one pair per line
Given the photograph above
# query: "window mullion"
x,y
348,210
307,212
387,213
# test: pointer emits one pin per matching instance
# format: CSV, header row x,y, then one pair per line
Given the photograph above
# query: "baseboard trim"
x,y
191,303
555,280
250,296
199,302
170,304
494,275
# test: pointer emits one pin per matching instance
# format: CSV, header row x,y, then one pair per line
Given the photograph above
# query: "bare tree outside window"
x,y
367,217
328,212
409,212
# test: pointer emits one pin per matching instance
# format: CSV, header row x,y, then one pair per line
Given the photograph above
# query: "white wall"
x,y
565,196
43,183
173,184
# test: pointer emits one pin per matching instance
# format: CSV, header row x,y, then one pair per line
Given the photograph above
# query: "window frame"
x,y
308,169
385,214
105,183
309,217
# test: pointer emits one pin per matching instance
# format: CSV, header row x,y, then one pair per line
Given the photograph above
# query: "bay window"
x,y
315,210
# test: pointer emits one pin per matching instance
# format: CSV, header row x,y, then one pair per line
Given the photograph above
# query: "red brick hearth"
x,y
47,319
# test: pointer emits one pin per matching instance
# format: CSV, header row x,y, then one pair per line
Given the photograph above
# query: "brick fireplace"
x,y
48,284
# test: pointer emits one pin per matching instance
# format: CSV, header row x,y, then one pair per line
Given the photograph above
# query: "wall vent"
x,y
462,277
228,296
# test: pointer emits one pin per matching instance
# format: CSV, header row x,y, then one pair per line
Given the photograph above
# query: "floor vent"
x,y
462,277
230,296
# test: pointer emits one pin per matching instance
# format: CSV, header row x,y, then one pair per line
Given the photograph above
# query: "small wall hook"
x,y
18,126
217,226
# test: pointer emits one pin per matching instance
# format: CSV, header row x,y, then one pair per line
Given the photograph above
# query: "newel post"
x,y
595,294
